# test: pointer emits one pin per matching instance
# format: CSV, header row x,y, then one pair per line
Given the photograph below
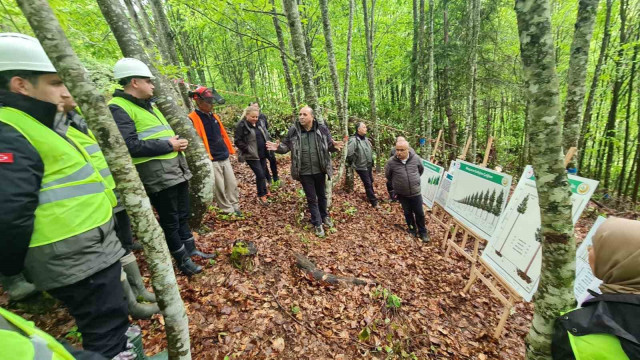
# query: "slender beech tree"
x,y
349,173
578,72
165,33
453,126
430,81
588,111
282,47
472,106
199,163
53,39
420,74
555,291
627,120
620,67
414,58
368,34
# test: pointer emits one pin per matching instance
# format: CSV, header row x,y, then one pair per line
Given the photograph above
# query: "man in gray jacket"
x,y
360,156
403,172
310,144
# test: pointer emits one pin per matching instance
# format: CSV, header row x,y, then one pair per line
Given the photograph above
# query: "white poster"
x,y
584,276
477,197
443,190
430,181
514,250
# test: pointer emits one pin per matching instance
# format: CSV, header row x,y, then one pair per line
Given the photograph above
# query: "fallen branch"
x,y
310,269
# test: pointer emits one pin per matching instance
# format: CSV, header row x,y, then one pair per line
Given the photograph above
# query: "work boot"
x,y
262,200
136,246
424,237
190,246
184,262
17,287
319,231
327,221
132,271
137,310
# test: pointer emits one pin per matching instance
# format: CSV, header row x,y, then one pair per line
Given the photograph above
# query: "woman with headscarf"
x,y
360,156
251,138
608,324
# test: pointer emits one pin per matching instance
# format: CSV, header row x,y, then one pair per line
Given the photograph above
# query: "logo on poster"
x,y
583,188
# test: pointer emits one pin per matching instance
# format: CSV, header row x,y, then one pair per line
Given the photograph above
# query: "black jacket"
x,y
405,178
244,138
614,314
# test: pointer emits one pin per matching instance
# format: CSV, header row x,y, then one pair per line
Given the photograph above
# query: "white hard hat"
x,y
128,67
23,52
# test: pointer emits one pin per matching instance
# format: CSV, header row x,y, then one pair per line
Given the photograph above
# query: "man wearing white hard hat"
x,y
56,223
157,153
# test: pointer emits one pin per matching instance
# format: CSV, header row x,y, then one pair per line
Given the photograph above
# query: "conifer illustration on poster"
x,y
478,197
514,251
430,181
443,189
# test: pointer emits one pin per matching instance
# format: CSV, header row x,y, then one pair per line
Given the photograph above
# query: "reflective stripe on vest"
x,y
148,126
72,200
33,344
597,347
90,145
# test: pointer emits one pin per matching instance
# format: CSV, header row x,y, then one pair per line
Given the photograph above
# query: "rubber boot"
x,y
190,246
137,310
132,271
185,264
18,287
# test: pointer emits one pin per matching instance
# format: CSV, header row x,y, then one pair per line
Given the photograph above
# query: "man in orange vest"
x,y
216,141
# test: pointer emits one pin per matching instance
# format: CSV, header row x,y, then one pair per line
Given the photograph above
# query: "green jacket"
x,y
359,153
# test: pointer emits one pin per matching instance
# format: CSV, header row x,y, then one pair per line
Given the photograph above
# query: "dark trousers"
x,y
367,180
274,167
259,167
123,230
98,305
313,186
172,205
413,213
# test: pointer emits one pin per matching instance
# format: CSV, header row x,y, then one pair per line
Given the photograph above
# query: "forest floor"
x,y
274,311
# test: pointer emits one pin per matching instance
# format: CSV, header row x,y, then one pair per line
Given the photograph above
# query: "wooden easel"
x,y
487,151
435,147
438,214
508,300
570,154
463,156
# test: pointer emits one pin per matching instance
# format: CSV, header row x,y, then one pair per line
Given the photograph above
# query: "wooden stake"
x,y
570,154
487,151
435,148
466,149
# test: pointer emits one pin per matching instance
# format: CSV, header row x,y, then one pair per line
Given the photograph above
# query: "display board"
x,y
443,190
477,197
584,276
514,250
430,182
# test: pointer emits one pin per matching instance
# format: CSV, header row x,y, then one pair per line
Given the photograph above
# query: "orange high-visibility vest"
x,y
197,124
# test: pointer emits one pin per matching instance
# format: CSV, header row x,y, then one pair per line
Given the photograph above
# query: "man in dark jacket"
x,y
360,156
157,153
403,172
310,144
56,222
271,156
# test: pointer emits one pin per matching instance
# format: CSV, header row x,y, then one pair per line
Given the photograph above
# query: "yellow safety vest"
x,y
90,145
73,197
148,126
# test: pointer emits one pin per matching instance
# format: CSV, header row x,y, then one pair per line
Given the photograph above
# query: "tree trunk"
x,y
627,120
348,181
202,182
415,51
430,81
577,72
472,111
165,33
555,292
610,132
285,63
586,121
420,74
368,31
47,28
453,126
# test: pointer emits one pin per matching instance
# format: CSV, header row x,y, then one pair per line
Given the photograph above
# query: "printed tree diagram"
x,y
434,180
522,208
524,274
486,202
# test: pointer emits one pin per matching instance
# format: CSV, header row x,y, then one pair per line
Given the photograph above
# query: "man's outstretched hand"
x,y
271,146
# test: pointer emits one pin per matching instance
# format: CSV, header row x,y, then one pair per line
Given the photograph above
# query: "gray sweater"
x,y
359,153
405,178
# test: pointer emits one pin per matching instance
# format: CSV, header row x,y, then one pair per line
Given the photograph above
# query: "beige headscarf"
x,y
616,247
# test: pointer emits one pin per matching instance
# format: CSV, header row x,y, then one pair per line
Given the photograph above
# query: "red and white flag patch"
x,y
6,157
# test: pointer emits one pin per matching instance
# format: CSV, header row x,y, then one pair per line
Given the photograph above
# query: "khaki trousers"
x,y
225,186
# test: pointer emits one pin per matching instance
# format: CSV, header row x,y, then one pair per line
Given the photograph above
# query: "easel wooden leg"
x,y
506,311
472,279
453,237
446,235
